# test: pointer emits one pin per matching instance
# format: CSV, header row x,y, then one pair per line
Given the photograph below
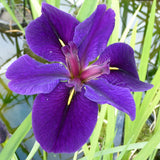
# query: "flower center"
x,y
94,71
77,75
71,55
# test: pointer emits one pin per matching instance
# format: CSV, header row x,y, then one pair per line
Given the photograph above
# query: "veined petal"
x,y
123,79
101,91
92,35
61,128
43,41
31,77
62,23
121,55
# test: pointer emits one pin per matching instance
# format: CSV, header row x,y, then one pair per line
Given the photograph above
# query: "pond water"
x,y
14,108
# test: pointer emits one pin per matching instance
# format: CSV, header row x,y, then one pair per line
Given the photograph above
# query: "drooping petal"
x,y
31,77
91,36
123,79
61,128
63,23
121,55
101,91
43,41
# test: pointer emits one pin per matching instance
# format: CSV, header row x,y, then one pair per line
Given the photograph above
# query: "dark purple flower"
x,y
65,110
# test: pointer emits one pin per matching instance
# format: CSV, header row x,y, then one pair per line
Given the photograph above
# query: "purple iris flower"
x,y
74,83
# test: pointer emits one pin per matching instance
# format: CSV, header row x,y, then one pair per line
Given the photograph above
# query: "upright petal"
x,y
63,23
31,77
101,91
43,41
121,56
92,35
61,128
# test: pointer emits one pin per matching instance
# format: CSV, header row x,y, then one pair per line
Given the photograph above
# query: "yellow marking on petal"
x,y
61,42
113,68
71,96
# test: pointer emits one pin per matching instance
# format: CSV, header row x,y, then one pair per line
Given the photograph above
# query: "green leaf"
x,y
109,3
13,143
152,157
146,51
152,92
14,157
85,149
115,34
33,151
96,133
124,151
124,35
110,129
149,147
133,146
44,155
133,36
128,122
75,155
147,44
87,8
55,3
151,99
36,8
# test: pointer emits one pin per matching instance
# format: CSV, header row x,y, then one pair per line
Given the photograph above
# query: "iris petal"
x,y
121,56
101,91
123,79
62,23
43,34
31,77
43,41
92,35
59,128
